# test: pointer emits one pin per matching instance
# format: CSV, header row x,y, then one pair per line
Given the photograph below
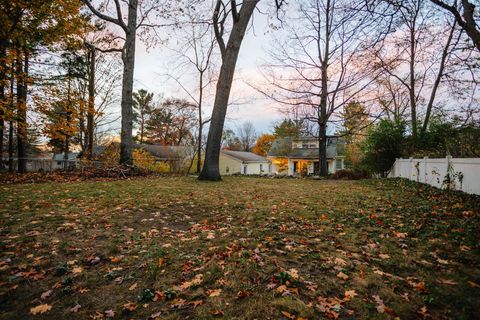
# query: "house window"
x,y
245,169
261,167
227,169
313,146
338,164
59,163
305,146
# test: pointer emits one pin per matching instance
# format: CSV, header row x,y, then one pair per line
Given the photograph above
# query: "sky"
x,y
249,105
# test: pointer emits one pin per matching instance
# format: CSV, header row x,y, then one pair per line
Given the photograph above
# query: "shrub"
x,y
350,175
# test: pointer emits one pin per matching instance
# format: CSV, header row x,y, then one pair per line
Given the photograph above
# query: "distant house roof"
x,y
164,153
245,156
312,153
71,156
310,138
282,147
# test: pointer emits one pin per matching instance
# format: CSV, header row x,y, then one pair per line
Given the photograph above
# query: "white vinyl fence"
x,y
446,173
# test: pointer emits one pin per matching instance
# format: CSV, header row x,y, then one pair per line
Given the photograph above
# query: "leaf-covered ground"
x,y
244,248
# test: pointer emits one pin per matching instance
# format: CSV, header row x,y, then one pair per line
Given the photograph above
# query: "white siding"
x,y
229,165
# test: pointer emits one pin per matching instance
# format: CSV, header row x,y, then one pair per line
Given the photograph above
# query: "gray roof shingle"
x,y
245,156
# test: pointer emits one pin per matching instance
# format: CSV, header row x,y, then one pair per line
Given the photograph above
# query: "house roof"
x,y
245,156
282,147
312,153
71,156
164,152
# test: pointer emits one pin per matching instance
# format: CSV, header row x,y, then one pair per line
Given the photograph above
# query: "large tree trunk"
x,y
322,150
91,103
128,57
22,74
11,168
210,169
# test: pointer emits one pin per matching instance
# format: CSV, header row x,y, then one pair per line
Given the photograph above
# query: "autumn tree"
x,y
27,25
263,144
171,123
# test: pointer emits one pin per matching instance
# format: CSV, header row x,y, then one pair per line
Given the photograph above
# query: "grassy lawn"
x,y
245,248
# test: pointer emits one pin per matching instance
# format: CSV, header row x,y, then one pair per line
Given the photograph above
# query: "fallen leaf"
x,y
77,270
242,294
288,315
473,284
217,312
340,262
130,306
75,308
110,313
214,292
46,294
349,294
342,276
447,281
196,303
132,287
42,308
380,304
293,273
384,256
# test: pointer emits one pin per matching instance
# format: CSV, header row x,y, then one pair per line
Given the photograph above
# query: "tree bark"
x,y
210,169
3,81
11,168
91,103
22,74
128,57
322,150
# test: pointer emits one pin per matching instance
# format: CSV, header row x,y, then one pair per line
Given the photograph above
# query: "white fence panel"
x,y
455,173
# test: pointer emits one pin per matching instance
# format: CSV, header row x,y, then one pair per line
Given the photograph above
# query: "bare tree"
x,y
196,53
247,135
316,70
465,16
415,58
137,17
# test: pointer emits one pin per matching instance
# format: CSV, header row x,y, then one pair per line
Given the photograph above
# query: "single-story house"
x,y
58,160
242,162
299,156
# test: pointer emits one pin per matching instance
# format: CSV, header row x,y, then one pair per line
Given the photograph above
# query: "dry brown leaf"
x,y
349,294
342,276
75,308
288,315
133,287
46,294
77,270
380,304
42,308
214,292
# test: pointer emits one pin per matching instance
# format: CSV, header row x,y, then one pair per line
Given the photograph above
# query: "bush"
x,y
350,175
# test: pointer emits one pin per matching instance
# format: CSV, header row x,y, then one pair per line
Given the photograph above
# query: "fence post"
x,y
425,174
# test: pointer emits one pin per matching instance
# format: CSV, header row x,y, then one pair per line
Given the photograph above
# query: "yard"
x,y
244,248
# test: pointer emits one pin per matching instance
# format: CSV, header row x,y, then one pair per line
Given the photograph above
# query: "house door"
x,y
295,167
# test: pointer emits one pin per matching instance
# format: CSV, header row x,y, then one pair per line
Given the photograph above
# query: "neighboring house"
x,y
241,162
58,160
299,156
177,157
